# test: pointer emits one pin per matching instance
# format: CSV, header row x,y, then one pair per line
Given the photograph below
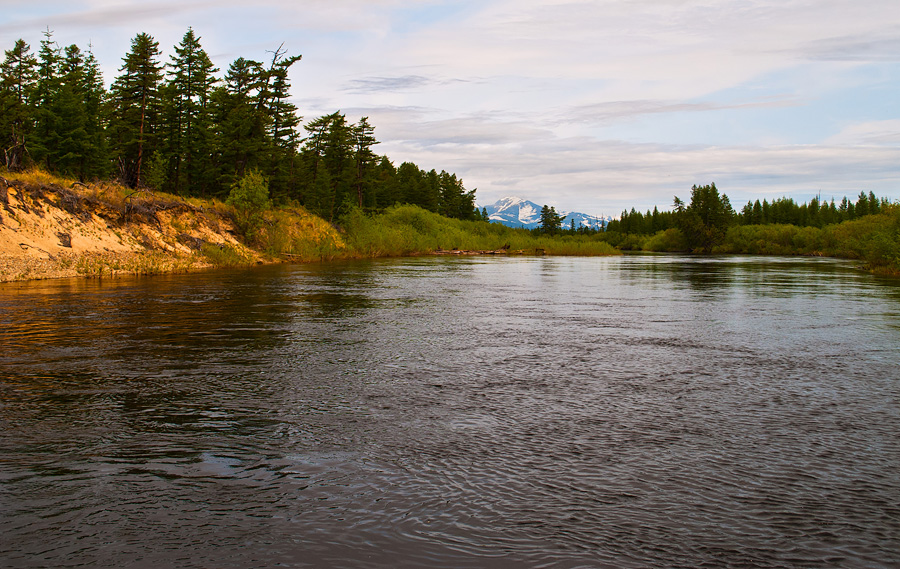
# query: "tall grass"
x,y
410,230
303,237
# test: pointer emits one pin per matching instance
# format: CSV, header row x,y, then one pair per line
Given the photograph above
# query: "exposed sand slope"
x,y
48,231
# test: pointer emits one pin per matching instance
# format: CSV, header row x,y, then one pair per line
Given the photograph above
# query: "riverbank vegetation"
x,y
184,127
867,229
410,229
51,226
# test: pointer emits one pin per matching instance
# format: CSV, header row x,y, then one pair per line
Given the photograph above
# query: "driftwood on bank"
x,y
502,251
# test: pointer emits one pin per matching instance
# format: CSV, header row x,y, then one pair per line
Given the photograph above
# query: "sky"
x,y
592,106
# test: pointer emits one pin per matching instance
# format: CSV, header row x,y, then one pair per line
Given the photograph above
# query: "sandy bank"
x,y
51,231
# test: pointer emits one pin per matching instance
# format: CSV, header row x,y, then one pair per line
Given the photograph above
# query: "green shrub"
x,y
668,241
250,198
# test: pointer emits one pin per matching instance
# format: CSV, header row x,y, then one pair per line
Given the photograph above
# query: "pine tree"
x,y
242,125
135,107
364,136
17,79
70,111
274,101
190,140
551,222
704,221
456,202
44,98
95,160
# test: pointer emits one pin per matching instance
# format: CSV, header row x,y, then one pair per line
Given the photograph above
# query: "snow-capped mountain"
x,y
517,212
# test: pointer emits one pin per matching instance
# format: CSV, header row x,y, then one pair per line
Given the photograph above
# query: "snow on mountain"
x,y
517,212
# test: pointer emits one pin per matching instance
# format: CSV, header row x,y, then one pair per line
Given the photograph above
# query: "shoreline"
x,y
48,231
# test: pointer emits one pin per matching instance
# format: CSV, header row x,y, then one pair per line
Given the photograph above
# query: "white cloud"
x,y
872,133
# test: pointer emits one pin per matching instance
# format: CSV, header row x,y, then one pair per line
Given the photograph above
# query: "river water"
x,y
640,411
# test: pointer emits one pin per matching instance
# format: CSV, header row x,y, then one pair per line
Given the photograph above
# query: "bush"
x,y
667,241
250,198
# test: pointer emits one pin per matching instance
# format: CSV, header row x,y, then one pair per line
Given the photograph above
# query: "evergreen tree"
x,y
862,205
456,202
551,222
17,79
364,158
316,192
387,192
242,125
44,98
94,162
705,219
274,101
71,115
190,131
135,107
72,111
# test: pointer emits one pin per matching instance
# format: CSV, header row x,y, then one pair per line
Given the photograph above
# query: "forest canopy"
x,y
186,127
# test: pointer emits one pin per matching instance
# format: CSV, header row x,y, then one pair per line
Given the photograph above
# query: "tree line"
x,y
708,221
182,128
815,213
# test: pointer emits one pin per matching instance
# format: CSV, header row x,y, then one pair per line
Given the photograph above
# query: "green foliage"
x,y
250,198
188,139
18,75
704,221
874,239
180,128
668,241
409,230
551,222
224,256
135,106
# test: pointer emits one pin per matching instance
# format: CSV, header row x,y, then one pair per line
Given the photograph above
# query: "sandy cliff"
x,y
48,231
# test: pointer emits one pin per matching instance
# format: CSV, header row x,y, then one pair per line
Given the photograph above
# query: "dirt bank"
x,y
48,230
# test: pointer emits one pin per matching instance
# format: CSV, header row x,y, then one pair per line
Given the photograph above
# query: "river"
x,y
621,412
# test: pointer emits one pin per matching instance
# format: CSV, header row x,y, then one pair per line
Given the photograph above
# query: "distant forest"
x,y
815,213
179,127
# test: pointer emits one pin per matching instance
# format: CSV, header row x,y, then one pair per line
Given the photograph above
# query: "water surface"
x,y
647,411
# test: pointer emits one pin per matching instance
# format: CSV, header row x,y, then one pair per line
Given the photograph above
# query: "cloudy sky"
x,y
585,105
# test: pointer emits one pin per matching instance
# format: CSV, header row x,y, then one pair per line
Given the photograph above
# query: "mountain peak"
x,y
518,212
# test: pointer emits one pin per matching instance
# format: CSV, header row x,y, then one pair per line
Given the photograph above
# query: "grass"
x,y
410,230
224,256
292,233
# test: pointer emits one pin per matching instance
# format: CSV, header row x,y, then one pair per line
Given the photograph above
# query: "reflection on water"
x,y
642,411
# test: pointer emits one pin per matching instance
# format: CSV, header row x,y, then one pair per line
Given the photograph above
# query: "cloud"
x,y
870,133
414,128
883,47
613,111
372,84
107,15
606,176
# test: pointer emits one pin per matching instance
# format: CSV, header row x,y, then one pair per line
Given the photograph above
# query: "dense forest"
x,y
185,128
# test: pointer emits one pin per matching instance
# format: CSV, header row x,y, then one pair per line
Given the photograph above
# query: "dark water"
x,y
543,412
